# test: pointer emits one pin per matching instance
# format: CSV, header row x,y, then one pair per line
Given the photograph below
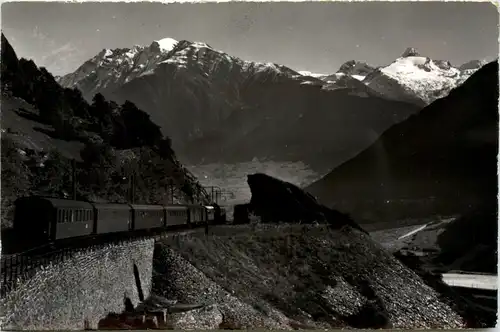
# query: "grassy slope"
x,y
284,276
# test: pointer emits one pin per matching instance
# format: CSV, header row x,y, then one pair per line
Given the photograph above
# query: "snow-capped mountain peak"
x,y
111,68
166,44
416,78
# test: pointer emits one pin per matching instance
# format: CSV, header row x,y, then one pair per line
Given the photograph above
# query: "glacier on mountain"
x,y
167,44
416,78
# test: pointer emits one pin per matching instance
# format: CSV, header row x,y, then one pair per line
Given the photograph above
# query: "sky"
x,y
313,36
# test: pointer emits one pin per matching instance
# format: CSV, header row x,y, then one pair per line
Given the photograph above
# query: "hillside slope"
x,y
305,277
45,127
440,161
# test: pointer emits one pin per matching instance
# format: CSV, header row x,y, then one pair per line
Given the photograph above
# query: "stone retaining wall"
x,y
78,292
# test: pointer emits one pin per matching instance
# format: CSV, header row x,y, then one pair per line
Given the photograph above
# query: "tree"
x,y
140,129
16,179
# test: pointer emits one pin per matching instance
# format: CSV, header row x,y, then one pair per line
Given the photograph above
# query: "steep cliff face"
x,y
442,160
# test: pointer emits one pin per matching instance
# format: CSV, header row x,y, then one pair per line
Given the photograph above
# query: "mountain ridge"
x,y
197,93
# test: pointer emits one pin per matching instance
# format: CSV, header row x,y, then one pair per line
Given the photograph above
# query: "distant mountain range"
x,y
412,77
442,160
219,108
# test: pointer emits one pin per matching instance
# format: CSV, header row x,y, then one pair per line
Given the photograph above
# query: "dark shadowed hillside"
x,y
289,121
440,161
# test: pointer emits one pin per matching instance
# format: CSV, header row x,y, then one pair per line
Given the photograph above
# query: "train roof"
x,y
54,202
146,207
176,207
117,206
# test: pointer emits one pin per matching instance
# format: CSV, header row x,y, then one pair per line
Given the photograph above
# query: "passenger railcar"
x,y
176,215
197,214
112,218
41,219
147,216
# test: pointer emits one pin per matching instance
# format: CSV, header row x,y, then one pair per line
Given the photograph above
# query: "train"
x,y
39,220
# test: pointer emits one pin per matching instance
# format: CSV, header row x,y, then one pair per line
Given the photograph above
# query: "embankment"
x,y
284,276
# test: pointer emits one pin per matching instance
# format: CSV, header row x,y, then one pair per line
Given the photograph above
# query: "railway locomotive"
x,y
41,220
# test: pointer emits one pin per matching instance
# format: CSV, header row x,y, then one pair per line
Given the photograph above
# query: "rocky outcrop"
x,y
276,201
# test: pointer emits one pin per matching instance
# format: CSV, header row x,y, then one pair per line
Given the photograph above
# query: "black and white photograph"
x,y
249,165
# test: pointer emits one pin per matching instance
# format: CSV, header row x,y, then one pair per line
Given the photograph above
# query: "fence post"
x,y
11,269
73,178
132,188
4,269
172,192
